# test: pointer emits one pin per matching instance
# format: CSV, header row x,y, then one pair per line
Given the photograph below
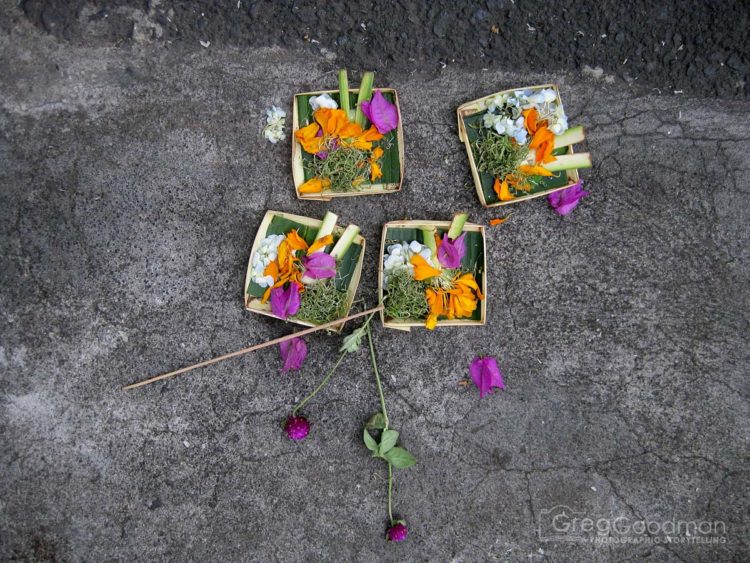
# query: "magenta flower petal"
x,y
451,252
381,113
565,201
486,374
297,428
285,302
319,265
398,533
293,353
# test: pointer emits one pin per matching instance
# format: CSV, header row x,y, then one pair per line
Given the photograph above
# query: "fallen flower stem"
x,y
320,386
377,379
252,348
390,492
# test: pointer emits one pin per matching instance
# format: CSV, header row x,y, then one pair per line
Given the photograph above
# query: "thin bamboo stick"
x,y
251,349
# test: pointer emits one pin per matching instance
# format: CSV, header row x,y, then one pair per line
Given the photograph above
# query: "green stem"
x,y
377,378
319,387
390,492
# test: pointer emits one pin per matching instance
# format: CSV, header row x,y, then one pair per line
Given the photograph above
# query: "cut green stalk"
x,y
569,162
327,226
570,137
344,242
457,225
344,92
365,93
428,237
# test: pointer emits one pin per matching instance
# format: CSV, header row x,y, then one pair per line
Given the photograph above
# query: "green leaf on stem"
x,y
399,458
376,422
370,442
387,440
352,342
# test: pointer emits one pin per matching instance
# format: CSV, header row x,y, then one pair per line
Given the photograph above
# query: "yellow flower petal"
x,y
307,138
320,244
295,241
431,322
375,171
422,270
528,170
502,190
314,185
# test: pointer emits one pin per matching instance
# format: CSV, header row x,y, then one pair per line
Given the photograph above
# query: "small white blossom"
x,y
399,257
323,101
275,121
266,253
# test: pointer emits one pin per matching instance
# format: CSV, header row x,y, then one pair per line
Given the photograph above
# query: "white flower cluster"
x,y
507,126
266,253
274,130
323,101
399,258
504,112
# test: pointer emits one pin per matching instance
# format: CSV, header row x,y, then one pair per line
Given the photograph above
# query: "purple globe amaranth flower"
x,y
565,201
398,532
451,252
297,428
485,374
381,113
285,302
319,265
293,353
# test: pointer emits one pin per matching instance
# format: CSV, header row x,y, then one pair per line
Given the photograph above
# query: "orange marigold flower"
x,y
306,136
543,143
422,269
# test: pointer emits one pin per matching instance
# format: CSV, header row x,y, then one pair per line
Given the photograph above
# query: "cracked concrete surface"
x,y
132,183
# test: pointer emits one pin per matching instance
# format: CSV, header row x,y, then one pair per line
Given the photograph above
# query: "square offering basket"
x,y
348,268
392,161
469,114
410,230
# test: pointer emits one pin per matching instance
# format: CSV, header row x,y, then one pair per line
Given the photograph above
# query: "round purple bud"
x,y
297,427
397,532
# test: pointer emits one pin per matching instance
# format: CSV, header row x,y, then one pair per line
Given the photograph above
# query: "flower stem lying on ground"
x,y
386,448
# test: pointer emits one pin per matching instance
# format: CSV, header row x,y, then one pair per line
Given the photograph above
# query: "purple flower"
x,y
297,428
381,113
285,302
319,265
486,374
565,201
451,252
398,532
293,353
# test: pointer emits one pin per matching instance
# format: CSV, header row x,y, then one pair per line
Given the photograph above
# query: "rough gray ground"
x,y
132,183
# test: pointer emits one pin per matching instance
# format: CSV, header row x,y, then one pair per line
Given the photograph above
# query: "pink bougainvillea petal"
x,y
285,302
381,113
565,201
319,265
486,374
451,252
293,353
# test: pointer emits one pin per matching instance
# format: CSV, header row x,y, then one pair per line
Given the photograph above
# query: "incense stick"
x,y
251,349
